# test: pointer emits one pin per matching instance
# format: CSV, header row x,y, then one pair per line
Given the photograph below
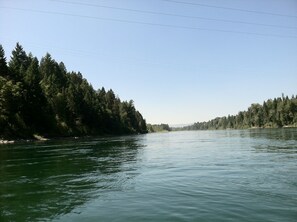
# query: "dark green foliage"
x,y
158,127
43,98
18,63
279,112
3,65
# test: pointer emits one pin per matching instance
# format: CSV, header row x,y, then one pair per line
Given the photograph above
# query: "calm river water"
x,y
244,175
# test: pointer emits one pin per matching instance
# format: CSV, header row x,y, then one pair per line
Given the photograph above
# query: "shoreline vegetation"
x,y
279,112
154,128
41,100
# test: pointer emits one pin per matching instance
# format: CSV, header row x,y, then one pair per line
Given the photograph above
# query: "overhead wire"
x,y
173,15
229,8
146,23
85,53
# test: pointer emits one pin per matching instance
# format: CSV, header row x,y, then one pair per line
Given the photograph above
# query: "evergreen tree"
x,y
278,112
46,99
34,100
18,63
3,64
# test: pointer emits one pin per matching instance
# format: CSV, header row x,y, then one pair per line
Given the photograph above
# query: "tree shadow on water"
x,y
43,181
274,140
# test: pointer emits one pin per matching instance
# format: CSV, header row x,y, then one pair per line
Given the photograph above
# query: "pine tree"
x,y
46,99
3,64
18,63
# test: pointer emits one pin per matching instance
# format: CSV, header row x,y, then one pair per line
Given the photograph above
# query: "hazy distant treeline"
x,y
273,113
44,98
152,128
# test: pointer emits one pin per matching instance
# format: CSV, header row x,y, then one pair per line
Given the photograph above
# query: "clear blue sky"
x,y
177,69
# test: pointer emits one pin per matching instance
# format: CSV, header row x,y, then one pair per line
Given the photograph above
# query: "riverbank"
x,y
39,138
248,128
35,137
7,141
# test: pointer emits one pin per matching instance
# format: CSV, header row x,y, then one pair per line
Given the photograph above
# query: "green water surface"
x,y
236,175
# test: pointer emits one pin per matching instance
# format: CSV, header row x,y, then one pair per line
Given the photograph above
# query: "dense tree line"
x,y
152,128
44,98
273,113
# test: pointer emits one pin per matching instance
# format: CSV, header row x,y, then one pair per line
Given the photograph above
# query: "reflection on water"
x,y
43,180
225,175
275,140
275,134
264,140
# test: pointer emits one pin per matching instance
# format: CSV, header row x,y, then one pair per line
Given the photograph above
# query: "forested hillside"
x,y
44,98
273,113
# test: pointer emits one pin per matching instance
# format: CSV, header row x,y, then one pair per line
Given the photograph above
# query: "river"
x,y
228,175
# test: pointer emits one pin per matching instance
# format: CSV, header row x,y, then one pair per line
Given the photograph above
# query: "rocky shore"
x,y
6,141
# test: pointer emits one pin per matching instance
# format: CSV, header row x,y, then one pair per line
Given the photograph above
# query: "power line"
x,y
174,15
84,53
229,8
147,23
